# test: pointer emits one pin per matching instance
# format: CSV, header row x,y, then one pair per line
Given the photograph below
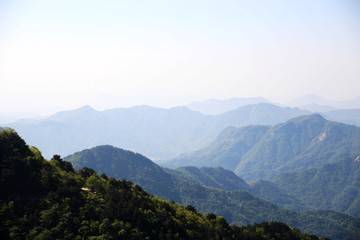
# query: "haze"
x,y
57,55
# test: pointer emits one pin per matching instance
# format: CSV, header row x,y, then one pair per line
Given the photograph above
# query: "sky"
x,y
60,55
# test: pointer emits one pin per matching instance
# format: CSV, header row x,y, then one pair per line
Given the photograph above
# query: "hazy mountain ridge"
x,y
155,132
315,99
225,151
217,106
297,144
238,207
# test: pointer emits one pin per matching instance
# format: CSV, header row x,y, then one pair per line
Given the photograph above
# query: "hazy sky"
x,y
63,54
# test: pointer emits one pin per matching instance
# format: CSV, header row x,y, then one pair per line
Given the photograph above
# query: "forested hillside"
x,y
50,200
237,207
334,186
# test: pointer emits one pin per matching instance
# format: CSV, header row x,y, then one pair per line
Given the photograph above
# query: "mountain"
x,y
8,117
124,164
217,106
298,144
50,200
237,207
225,151
334,186
261,152
211,177
347,116
156,132
271,192
227,180
315,99
315,108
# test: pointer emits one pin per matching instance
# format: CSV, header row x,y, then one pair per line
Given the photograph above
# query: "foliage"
x,y
237,207
84,205
260,152
334,186
211,177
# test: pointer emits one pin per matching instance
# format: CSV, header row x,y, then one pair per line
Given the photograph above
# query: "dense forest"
x,y
43,199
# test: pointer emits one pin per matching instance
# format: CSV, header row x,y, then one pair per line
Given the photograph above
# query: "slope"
x,y
81,205
225,151
333,186
158,133
298,144
211,177
241,207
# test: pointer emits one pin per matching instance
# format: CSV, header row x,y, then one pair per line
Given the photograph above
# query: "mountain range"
x,y
217,106
155,132
263,152
43,199
238,207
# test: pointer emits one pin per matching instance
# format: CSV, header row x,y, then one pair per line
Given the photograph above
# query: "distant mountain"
x,y
216,106
347,116
333,186
261,152
238,207
155,132
227,180
271,192
298,144
315,108
315,99
225,151
8,117
211,177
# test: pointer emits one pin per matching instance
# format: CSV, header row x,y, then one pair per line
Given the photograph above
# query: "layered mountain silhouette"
x,y
155,132
261,152
320,101
217,106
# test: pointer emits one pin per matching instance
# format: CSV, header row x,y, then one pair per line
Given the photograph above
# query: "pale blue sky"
x,y
57,55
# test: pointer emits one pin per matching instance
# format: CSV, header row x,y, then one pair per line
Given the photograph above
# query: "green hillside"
x,y
211,177
298,144
227,180
60,203
225,151
334,186
237,207
260,152
270,191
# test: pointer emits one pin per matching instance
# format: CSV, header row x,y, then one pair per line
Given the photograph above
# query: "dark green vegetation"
x,y
237,207
227,180
334,186
270,191
49,200
259,152
157,133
